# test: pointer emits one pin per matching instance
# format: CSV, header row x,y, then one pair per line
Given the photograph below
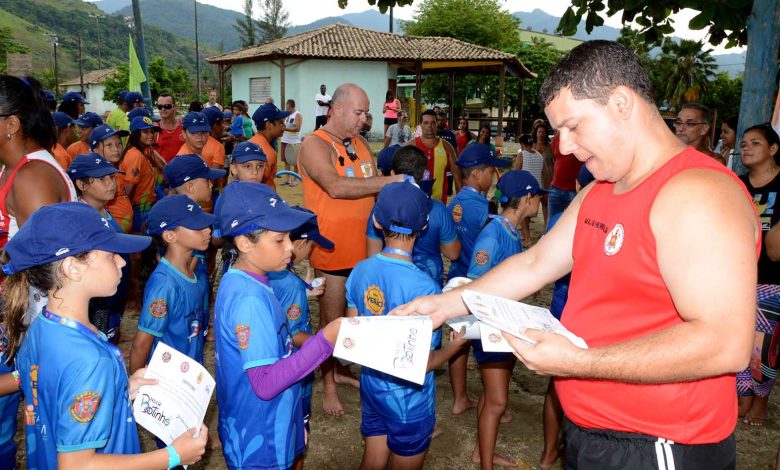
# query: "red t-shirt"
x,y
566,168
617,294
168,142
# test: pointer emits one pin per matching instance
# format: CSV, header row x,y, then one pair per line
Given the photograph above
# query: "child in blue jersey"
x,y
469,209
77,397
9,405
438,238
94,179
398,417
519,196
176,305
293,293
247,162
258,371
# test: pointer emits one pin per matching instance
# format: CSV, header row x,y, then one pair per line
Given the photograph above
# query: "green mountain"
x,y
30,20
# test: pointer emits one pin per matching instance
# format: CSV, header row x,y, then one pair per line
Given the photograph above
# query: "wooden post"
x,y
418,93
452,101
501,85
521,94
281,82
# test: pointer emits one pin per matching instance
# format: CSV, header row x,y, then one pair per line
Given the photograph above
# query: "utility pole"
x,y
139,33
391,18
97,28
81,69
197,54
54,40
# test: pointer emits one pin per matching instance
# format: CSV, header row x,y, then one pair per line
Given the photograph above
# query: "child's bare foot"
x,y
499,460
548,459
756,417
213,442
460,406
506,417
331,403
437,431
744,404
346,379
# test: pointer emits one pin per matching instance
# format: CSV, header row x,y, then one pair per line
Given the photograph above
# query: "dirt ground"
x,y
336,443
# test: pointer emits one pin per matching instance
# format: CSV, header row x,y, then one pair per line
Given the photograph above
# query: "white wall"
x,y
303,80
95,97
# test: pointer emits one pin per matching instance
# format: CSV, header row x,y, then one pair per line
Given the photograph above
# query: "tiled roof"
x,y
91,78
344,42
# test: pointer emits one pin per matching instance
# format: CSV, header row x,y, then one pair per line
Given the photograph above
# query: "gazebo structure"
x,y
385,55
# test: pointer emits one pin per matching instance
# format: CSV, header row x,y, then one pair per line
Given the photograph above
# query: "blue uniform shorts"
x,y
483,357
404,439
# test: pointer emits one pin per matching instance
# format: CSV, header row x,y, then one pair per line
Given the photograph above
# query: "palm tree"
x,y
686,69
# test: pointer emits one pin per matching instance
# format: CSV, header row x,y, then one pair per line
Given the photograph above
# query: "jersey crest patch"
x,y
482,257
294,312
158,308
457,213
84,406
614,240
242,333
374,299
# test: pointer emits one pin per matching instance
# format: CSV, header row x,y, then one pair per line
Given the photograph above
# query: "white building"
x,y
93,89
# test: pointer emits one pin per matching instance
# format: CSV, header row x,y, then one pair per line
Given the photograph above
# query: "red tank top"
x,y
616,294
169,142
566,168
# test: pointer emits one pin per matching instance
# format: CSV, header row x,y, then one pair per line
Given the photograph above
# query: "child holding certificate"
x,y
258,371
77,399
519,198
398,417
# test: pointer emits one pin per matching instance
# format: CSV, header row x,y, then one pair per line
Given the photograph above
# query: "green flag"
x,y
135,72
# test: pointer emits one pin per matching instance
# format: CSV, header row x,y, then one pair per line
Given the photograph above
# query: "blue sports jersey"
x,y
175,310
469,210
75,393
496,242
376,286
251,330
560,292
9,406
427,253
290,290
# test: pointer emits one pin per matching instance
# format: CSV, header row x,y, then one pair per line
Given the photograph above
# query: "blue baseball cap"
x,y
49,96
195,122
310,230
247,152
402,207
213,115
479,154
384,161
245,207
227,114
88,119
65,229
518,183
61,120
188,167
177,210
91,165
268,112
133,97
73,97
121,95
103,132
140,123
143,112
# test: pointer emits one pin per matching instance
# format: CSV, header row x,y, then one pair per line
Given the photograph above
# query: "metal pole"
x,y
97,28
81,69
391,18
56,69
139,33
197,54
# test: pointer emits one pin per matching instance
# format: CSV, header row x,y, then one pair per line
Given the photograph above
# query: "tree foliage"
x,y
686,70
246,25
382,4
723,94
162,79
274,22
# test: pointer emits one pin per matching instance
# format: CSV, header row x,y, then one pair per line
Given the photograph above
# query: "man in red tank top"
x,y
169,139
662,252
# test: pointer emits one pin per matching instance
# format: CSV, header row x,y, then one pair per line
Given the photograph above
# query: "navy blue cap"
x,y
140,123
61,120
65,229
143,112
213,115
103,132
402,207
245,207
227,113
195,122
177,210
480,154
310,230
91,165
384,161
518,183
133,97
268,112
121,95
49,96
88,119
73,97
247,152
188,167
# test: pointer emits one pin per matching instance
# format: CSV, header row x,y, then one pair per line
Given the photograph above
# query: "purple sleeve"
x,y
271,380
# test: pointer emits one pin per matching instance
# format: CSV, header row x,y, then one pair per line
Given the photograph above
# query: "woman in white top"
x,y
529,159
291,141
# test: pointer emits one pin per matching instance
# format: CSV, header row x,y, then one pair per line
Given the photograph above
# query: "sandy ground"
x,y
336,443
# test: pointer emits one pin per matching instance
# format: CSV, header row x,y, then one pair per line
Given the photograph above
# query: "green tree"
x,y
723,94
162,79
246,25
8,44
636,43
540,57
275,20
686,70
383,4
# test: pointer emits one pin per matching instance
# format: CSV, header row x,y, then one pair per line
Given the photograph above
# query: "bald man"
x,y
339,184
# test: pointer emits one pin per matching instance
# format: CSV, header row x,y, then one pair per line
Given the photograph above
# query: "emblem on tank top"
x,y
367,170
350,172
614,240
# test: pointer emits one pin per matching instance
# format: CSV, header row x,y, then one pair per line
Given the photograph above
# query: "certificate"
x,y
469,322
493,340
179,400
515,317
398,346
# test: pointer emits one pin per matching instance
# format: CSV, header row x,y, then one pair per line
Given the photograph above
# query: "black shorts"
x,y
338,272
320,121
600,449
391,121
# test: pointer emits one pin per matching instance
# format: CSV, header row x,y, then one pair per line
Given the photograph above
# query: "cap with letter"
x,y
177,210
195,122
245,207
402,207
184,168
103,132
91,165
247,152
517,183
88,119
310,230
268,112
74,97
480,154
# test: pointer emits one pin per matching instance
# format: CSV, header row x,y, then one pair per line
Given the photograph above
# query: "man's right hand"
x,y
439,307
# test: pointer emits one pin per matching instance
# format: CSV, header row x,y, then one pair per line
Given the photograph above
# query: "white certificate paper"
x,y
180,399
515,317
493,340
398,346
469,322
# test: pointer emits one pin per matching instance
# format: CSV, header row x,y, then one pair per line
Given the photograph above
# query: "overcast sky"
x,y
307,11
